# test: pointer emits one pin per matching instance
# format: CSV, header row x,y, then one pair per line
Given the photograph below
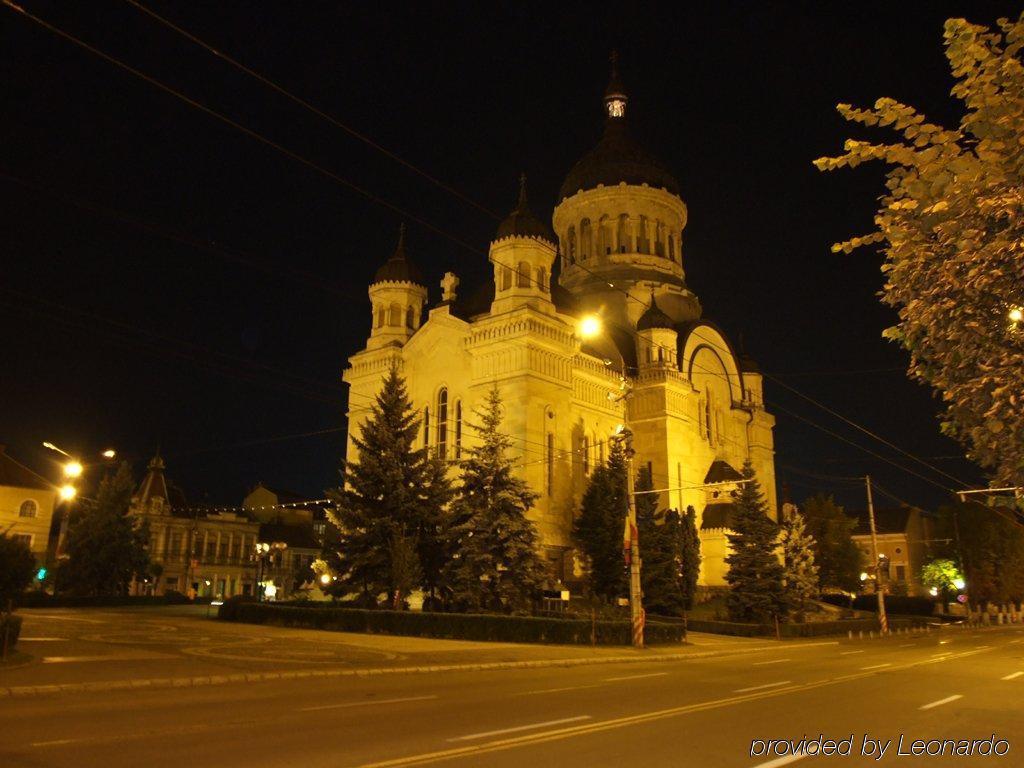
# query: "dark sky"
x,y
168,281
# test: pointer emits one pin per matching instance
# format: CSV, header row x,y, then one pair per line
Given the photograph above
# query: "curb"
x,y
260,677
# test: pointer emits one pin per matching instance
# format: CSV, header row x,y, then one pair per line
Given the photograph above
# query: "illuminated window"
x,y
28,508
616,108
442,423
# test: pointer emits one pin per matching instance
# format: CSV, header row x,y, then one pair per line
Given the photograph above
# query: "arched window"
x,y
648,348
643,236
661,354
28,508
659,239
506,278
604,236
523,275
572,245
395,318
458,430
542,280
410,317
672,247
622,233
586,239
426,427
382,316
442,423
708,423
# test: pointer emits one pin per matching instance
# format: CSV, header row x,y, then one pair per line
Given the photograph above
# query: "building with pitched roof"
x,y
614,249
904,538
27,505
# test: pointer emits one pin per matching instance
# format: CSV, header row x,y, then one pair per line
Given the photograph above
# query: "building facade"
x,y
657,366
27,505
904,536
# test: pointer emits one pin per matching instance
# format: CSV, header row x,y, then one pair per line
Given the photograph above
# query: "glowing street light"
x,y
590,327
72,469
325,578
1016,314
959,584
53,447
68,492
109,453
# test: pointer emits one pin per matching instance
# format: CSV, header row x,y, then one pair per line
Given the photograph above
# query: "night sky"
x,y
169,281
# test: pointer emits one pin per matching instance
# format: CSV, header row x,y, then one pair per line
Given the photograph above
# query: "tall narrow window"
x,y
542,282
572,245
585,451
523,275
643,242
395,316
382,313
551,462
672,247
622,233
409,317
426,427
707,419
442,423
458,430
586,239
506,278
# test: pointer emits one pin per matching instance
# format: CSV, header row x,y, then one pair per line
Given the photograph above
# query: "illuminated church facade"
x,y
651,363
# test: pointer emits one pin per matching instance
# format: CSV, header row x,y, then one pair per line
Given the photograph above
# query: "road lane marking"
x,y
773,661
908,645
877,666
847,653
1014,676
559,690
112,657
518,728
940,702
634,677
347,704
940,655
762,687
782,761
42,639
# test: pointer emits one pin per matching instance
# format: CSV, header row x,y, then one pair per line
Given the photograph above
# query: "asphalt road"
x,y
697,711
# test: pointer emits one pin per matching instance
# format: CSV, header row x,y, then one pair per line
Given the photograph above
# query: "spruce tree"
x,y
599,527
106,547
689,557
659,540
495,564
391,493
755,574
801,577
837,556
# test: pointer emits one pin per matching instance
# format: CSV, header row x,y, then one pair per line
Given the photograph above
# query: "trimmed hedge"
x,y
807,629
44,600
10,623
457,626
908,606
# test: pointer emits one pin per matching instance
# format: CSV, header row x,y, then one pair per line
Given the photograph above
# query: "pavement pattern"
x,y
711,705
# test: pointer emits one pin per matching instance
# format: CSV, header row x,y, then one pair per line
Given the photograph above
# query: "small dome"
x,y
653,318
522,223
617,156
399,269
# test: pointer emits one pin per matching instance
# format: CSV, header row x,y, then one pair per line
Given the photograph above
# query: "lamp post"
x,y
883,621
591,327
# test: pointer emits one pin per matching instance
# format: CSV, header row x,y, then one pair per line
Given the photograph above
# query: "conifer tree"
x,y
837,556
689,557
755,574
106,547
598,529
391,492
801,577
659,540
495,564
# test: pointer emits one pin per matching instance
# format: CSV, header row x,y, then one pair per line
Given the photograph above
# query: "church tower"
x,y
656,339
397,295
522,252
620,224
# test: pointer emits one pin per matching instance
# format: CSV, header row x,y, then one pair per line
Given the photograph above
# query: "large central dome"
x,y
617,158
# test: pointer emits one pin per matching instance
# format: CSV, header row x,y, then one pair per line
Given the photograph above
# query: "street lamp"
x,y
110,453
72,469
68,492
959,584
590,326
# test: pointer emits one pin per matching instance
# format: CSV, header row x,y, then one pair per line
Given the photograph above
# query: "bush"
x,y
459,626
17,568
839,600
908,606
10,623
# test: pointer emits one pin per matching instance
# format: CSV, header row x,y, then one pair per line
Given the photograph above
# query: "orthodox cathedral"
x,y
587,326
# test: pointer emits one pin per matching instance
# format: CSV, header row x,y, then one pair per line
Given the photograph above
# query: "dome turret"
x,y
398,294
653,318
521,222
398,269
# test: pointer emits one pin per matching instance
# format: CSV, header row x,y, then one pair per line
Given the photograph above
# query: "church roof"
x,y
722,472
521,222
154,484
617,157
653,317
398,268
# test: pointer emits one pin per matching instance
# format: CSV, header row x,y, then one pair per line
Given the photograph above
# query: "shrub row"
x,y
44,600
806,629
459,626
10,623
908,606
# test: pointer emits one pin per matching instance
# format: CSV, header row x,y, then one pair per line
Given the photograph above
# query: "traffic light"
x,y
41,574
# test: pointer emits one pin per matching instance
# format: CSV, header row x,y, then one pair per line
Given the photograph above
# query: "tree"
x,y
989,543
391,491
598,529
943,576
495,565
689,557
837,556
406,572
951,226
17,568
106,547
798,558
755,574
659,542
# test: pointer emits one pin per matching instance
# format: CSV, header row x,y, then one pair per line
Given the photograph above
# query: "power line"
x,y
306,105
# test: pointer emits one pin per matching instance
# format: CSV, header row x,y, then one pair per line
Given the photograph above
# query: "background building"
x,y
27,505
616,252
903,539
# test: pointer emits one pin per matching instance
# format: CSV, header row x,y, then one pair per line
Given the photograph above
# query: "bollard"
x,y
860,634
849,634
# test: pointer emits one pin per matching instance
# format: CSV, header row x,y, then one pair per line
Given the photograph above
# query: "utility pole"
x,y
636,610
883,621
